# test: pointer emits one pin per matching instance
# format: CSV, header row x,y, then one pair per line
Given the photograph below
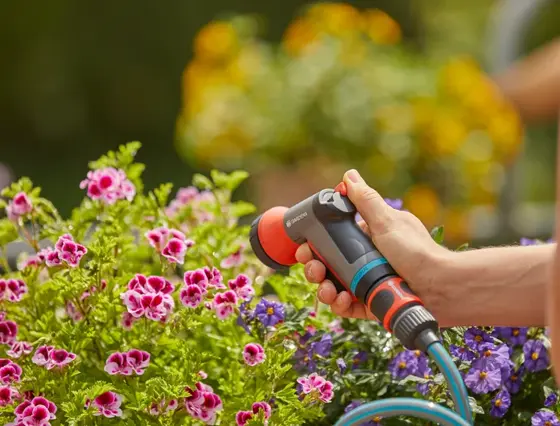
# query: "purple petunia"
x,y
395,203
462,352
544,418
269,313
408,363
536,356
513,382
513,335
341,365
475,338
551,400
483,378
500,404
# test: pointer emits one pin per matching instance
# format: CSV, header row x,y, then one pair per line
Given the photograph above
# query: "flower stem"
x,y
4,262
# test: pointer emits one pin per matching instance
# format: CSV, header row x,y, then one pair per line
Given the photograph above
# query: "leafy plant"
x,y
146,309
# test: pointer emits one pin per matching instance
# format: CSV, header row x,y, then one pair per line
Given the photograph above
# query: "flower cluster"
x,y
149,297
19,206
50,357
37,412
202,403
191,197
253,354
125,363
65,252
316,387
170,243
108,185
12,289
242,417
197,284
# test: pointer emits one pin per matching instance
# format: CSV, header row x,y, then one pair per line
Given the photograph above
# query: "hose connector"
x,y
416,328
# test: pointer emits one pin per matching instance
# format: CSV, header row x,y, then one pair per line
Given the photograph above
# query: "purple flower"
x,y
304,359
528,242
243,287
138,360
462,352
253,354
551,400
483,379
544,418
355,404
269,313
322,347
500,404
191,296
341,365
359,358
108,185
19,206
245,315
8,332
59,358
513,335
475,338
513,382
408,363
536,356
108,404
394,203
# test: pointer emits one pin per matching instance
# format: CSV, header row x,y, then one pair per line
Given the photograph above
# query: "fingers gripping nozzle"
x,y
326,221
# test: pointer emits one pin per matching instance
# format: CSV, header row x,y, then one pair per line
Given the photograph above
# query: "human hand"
x,y
399,236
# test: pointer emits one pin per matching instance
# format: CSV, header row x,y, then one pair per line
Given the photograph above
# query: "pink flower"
x,y
202,374
37,412
170,243
157,408
253,354
73,312
191,296
316,386
234,259
127,320
197,277
243,417
42,355
172,406
335,326
12,289
10,372
108,405
19,206
70,251
52,258
138,360
214,277
224,303
20,348
7,395
59,358
152,284
154,306
8,332
117,363
243,287
203,403
108,185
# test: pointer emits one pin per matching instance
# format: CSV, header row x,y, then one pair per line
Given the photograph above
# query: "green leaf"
x,y
437,234
463,247
8,232
236,178
242,208
202,181
474,406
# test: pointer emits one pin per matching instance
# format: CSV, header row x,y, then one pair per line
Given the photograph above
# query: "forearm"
x,y
502,286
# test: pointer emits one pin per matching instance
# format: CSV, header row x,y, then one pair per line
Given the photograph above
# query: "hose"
x,y
394,407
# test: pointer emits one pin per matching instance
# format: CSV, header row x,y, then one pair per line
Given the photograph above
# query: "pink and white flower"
x,y
243,417
42,355
12,289
170,243
36,412
202,403
224,304
242,286
253,354
108,185
8,395
59,358
8,332
127,321
117,363
10,372
234,259
153,284
318,387
18,349
19,206
69,251
154,306
138,360
108,404
191,296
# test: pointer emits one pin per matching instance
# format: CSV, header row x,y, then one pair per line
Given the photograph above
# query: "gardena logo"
x,y
290,222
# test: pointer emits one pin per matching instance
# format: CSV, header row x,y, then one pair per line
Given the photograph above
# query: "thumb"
x,y
371,206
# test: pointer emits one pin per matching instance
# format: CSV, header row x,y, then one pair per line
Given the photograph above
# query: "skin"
x,y
501,286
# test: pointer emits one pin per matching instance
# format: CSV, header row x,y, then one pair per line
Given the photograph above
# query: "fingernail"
x,y
309,272
354,176
321,291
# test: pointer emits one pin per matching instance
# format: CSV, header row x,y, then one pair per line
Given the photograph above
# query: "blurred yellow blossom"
x,y
456,224
505,129
446,133
337,19
301,37
394,118
381,28
423,202
230,145
215,42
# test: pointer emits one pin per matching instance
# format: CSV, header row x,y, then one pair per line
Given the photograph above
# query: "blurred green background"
x,y
79,78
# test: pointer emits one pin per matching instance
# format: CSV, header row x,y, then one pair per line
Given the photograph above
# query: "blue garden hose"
x,y
418,408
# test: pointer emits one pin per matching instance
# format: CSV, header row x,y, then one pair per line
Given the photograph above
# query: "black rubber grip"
x,y
331,277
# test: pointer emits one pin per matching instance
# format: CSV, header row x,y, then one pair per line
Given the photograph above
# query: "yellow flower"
x,y
446,134
394,118
456,225
381,28
424,109
459,76
423,202
300,37
337,19
198,80
215,42
505,129
231,144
